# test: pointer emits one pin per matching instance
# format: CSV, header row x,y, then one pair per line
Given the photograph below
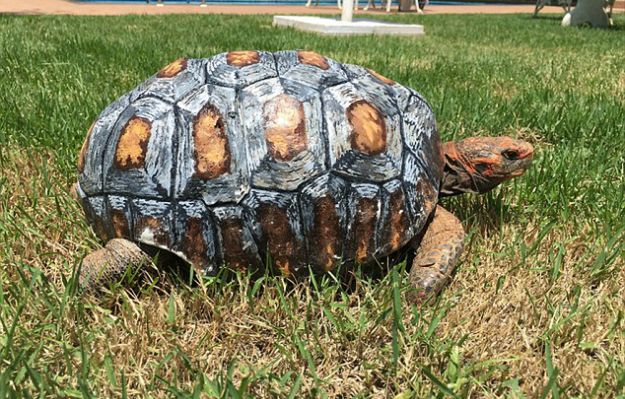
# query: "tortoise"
x,y
289,156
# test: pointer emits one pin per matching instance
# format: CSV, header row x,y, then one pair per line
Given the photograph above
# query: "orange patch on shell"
x,y
281,243
381,78
193,243
235,254
326,238
173,69
312,58
120,224
132,145
364,227
368,128
242,58
212,151
285,127
399,221
83,150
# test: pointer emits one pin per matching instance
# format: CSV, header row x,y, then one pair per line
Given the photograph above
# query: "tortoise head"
x,y
479,164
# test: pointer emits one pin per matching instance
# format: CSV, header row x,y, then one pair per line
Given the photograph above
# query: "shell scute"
x,y
95,146
83,150
362,240
324,220
211,161
97,214
313,58
238,248
153,222
285,127
368,129
421,194
357,72
422,139
132,145
173,81
395,219
278,229
195,237
309,69
121,216
241,68
365,138
284,134
138,159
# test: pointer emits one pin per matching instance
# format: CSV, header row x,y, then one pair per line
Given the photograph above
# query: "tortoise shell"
x,y
251,155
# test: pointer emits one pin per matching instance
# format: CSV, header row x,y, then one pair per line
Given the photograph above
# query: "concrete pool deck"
x,y
64,7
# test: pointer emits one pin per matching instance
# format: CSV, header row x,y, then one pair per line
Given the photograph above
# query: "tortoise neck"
x,y
459,176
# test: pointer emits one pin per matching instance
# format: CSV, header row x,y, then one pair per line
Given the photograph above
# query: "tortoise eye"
x,y
510,155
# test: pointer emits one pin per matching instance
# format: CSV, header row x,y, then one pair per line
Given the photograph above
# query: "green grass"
x,y
535,310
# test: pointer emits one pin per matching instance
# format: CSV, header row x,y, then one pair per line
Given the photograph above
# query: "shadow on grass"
x,y
547,17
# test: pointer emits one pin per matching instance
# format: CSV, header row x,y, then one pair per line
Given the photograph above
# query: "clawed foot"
x,y
437,254
428,282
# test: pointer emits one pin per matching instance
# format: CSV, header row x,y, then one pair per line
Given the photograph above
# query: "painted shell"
x,y
250,155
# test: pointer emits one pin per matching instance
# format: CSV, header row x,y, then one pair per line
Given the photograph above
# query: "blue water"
x,y
362,3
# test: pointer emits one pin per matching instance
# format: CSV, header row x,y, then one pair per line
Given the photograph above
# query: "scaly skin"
x,y
479,164
107,265
472,165
437,253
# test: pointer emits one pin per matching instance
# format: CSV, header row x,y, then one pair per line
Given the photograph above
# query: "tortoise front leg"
x,y
107,265
437,253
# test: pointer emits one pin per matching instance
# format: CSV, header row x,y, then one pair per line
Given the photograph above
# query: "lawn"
x,y
535,309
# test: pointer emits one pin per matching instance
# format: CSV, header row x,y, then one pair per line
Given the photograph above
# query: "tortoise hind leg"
x,y
437,253
107,265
